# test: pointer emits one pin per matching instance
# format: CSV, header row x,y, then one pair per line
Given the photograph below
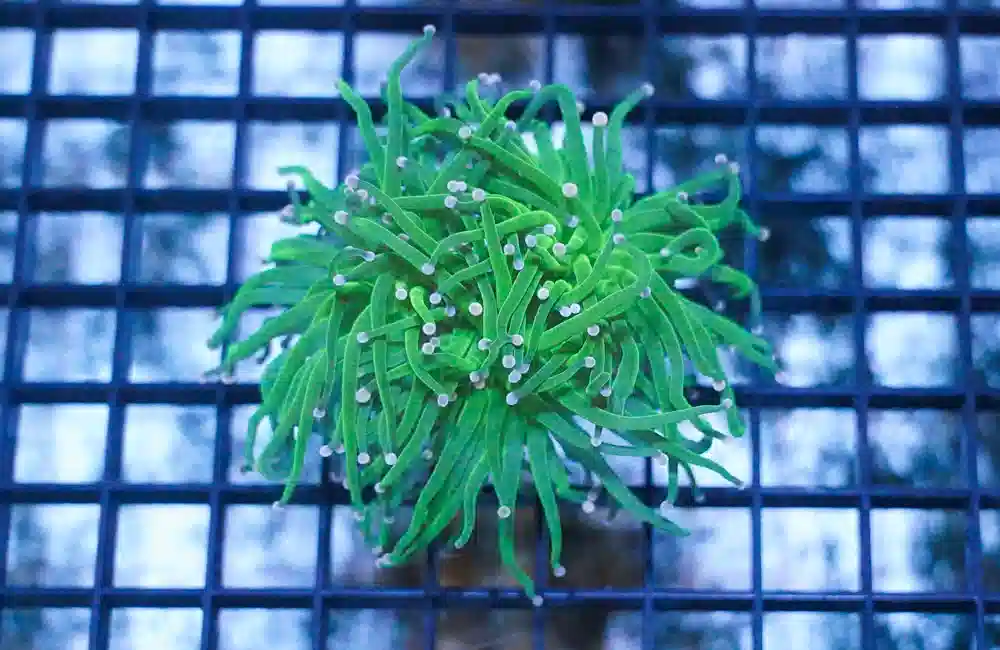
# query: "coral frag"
x,y
473,296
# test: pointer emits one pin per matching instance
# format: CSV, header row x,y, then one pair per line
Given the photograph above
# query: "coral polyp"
x,y
473,296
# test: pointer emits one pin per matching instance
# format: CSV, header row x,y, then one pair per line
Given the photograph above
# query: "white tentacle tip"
x,y
429,30
648,89
537,601
559,571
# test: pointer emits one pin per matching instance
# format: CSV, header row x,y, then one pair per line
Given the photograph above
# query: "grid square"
x,y
703,629
675,151
14,44
240,419
813,351
840,254
718,557
987,436
148,627
188,249
985,327
13,134
179,63
818,253
52,545
161,546
58,256
257,232
930,631
981,157
813,448
48,627
900,67
168,444
277,144
912,350
919,550
989,531
979,79
86,152
191,154
920,448
810,550
801,66
60,443
93,62
814,630
814,172
8,231
720,70
69,345
907,253
287,558
984,251
905,158
296,63
160,344
257,629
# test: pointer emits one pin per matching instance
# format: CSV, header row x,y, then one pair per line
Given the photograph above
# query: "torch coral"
x,y
474,294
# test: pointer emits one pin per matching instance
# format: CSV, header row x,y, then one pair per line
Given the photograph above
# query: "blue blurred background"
x,y
919,268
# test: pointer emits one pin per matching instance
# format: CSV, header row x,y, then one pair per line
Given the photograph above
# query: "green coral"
x,y
472,295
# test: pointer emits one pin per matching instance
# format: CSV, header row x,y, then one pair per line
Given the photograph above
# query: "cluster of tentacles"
x,y
474,295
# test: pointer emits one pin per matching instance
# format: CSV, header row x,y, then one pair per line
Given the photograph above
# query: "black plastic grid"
x,y
645,20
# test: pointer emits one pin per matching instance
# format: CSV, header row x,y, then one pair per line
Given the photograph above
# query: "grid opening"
x,y
138,148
